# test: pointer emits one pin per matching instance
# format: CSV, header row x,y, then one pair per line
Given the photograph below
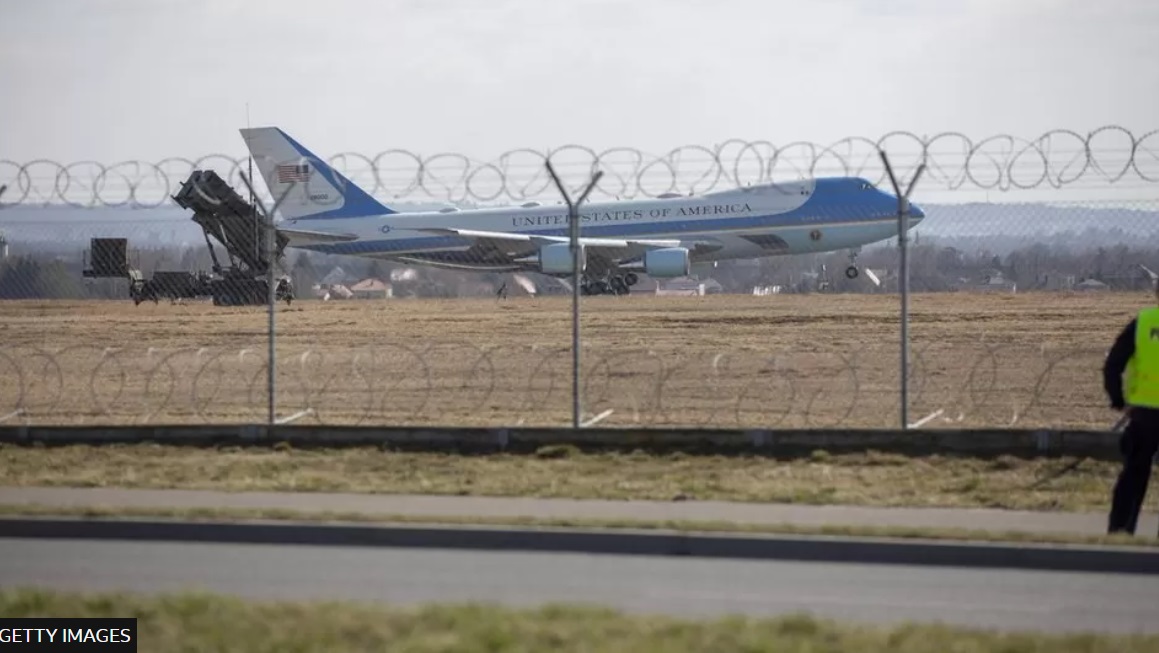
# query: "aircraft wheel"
x,y
851,272
631,279
619,286
599,288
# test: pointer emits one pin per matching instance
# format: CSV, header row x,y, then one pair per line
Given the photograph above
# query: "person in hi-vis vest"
x,y
1134,355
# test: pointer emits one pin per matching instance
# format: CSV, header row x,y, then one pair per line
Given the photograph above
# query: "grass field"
x,y
1023,360
851,479
206,622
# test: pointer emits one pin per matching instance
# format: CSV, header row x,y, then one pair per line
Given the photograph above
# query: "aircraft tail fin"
x,y
319,192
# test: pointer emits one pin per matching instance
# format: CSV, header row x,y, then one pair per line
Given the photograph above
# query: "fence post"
x,y
271,264
903,276
574,233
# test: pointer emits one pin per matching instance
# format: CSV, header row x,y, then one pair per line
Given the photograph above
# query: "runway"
x,y
1005,599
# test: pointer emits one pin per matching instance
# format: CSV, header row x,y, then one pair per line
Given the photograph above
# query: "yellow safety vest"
x,y
1143,368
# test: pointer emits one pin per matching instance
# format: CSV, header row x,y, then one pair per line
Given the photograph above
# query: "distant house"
x,y
992,281
371,288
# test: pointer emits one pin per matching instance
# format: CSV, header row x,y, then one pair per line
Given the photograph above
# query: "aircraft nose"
x,y
916,212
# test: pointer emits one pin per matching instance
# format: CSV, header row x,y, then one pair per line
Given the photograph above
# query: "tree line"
x,y
935,266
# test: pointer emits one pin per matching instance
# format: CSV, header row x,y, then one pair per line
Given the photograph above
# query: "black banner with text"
x,y
110,635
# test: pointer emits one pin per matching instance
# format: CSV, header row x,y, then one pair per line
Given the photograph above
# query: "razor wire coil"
x,y
954,161
401,384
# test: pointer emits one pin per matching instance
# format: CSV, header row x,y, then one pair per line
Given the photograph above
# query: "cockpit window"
x,y
865,185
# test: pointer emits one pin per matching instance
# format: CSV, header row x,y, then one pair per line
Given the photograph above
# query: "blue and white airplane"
x,y
663,237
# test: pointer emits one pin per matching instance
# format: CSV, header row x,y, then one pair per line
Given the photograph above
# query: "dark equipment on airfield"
x,y
230,220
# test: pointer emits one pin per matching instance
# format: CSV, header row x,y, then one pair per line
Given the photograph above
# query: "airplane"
x,y
663,237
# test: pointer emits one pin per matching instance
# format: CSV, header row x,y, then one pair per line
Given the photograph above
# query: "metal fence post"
x,y
271,264
903,277
272,298
574,234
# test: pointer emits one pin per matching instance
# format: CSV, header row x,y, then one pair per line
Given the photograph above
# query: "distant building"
x,y
371,288
991,281
1056,281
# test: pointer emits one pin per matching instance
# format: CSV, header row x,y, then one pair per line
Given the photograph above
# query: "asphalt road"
x,y
1005,599
1090,523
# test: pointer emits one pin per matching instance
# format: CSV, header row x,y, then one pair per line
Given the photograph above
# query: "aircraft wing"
x,y
611,248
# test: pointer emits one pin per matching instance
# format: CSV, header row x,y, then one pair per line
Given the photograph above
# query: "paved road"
x,y
754,513
687,587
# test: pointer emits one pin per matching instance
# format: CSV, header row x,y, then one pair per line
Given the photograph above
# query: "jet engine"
x,y
556,258
667,262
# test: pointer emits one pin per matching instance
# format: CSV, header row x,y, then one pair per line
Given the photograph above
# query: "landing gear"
x,y
852,272
615,284
594,288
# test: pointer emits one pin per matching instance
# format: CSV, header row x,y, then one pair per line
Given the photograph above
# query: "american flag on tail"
x,y
288,173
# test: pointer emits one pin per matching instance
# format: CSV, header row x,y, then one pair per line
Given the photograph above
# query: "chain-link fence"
x,y
139,292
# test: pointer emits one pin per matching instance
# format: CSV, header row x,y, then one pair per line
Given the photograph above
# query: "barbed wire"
x,y
1057,158
450,383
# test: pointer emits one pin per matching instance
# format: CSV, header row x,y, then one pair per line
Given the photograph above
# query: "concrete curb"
x,y
609,541
1096,444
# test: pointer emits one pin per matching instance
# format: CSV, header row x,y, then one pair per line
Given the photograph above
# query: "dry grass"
x,y
783,361
203,622
213,514
852,479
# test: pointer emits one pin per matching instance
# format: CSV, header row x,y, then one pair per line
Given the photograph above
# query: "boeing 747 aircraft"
x,y
663,237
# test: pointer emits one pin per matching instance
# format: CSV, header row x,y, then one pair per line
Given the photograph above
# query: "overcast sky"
x,y
147,79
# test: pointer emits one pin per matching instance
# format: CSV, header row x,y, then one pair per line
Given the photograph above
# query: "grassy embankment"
x,y
202,622
872,479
